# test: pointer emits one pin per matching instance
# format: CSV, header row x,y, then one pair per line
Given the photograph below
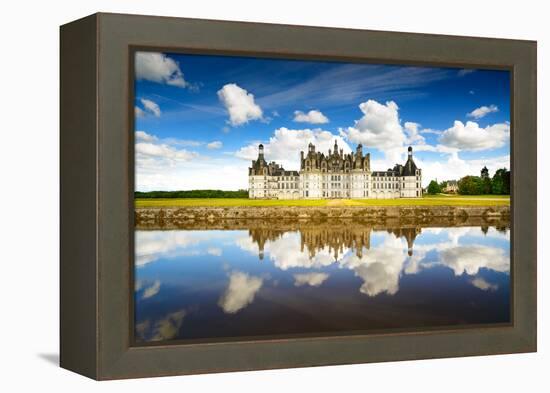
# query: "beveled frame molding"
x,y
97,193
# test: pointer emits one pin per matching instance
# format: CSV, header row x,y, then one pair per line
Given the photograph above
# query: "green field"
x,y
429,200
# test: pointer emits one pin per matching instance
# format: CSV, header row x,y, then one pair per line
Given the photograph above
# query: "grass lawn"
x,y
431,200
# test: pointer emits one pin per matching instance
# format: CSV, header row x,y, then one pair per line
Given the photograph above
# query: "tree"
x,y
486,186
470,185
442,185
484,173
501,182
433,188
193,194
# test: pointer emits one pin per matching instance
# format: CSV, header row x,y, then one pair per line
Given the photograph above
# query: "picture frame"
x,y
97,194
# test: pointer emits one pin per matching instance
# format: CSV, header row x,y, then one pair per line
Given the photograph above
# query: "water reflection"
x,y
312,277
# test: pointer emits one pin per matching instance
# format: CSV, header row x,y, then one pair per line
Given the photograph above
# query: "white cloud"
x,y
152,290
378,128
469,259
168,327
413,133
150,107
239,104
215,251
154,245
214,145
168,154
139,112
313,116
223,173
240,292
285,145
471,136
314,279
480,112
379,268
143,136
157,67
482,284
453,167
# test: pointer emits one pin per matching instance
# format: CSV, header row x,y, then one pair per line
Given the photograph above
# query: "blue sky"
x,y
200,118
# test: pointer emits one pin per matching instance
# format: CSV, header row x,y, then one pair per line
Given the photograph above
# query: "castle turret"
x,y
261,151
359,150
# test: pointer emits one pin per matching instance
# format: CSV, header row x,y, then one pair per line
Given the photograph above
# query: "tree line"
x,y
192,194
499,184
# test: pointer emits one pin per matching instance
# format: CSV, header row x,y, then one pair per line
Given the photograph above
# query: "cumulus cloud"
x,y
168,327
482,284
480,112
240,292
313,116
471,258
452,167
378,128
155,156
379,268
165,328
413,133
171,164
142,136
152,290
312,279
159,68
221,172
159,154
214,145
151,107
471,136
239,104
285,145
154,245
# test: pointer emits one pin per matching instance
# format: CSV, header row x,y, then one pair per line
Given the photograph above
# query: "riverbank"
x,y
181,217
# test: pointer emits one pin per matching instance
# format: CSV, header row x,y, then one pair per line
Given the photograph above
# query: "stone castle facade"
x,y
335,175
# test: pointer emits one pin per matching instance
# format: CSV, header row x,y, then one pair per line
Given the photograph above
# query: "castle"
x,y
335,175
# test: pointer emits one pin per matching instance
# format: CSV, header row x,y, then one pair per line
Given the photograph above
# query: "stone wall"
x,y
402,214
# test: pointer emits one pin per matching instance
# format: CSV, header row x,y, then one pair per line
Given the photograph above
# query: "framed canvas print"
x,y
240,196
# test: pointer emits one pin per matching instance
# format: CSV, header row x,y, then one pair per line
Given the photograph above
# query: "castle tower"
x,y
359,150
261,151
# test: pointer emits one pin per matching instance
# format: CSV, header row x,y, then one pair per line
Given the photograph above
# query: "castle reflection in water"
x,y
337,236
244,278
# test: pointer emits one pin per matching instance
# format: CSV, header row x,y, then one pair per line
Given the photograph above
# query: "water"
x,y
264,279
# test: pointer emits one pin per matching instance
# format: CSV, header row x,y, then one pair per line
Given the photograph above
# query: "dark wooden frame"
x,y
97,199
